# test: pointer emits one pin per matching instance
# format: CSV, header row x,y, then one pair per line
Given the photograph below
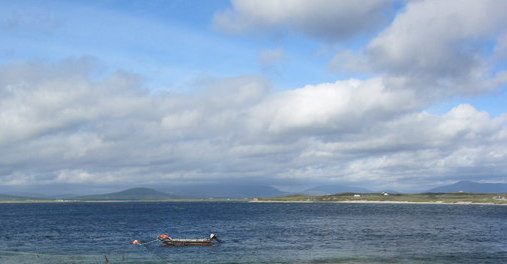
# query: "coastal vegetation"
x,y
458,197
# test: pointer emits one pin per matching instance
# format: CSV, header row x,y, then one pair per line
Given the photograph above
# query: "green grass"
x,y
420,197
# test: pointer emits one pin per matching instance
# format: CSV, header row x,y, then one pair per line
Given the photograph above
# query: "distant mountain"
x,y
226,190
473,187
130,194
62,196
334,189
6,197
45,196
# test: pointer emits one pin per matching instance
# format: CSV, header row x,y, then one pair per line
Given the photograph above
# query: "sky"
x,y
97,96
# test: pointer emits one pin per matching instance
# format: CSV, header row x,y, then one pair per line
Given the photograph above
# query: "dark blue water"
x,y
253,233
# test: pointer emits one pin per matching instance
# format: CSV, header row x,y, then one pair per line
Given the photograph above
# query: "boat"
x,y
178,242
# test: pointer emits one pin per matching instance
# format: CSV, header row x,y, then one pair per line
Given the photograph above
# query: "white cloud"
x,y
182,120
343,106
74,128
74,176
410,150
323,19
441,47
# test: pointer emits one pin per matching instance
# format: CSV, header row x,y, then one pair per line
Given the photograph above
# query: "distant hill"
x,y
6,197
130,194
196,191
334,189
45,196
226,190
472,187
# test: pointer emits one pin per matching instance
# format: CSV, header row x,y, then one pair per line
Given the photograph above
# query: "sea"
x,y
252,232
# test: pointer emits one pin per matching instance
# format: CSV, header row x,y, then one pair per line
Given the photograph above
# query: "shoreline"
x,y
254,201
378,202
123,201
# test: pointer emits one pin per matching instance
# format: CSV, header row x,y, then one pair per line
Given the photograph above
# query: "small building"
x,y
357,195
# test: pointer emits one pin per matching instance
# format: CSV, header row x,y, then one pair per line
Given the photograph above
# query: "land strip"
x,y
422,198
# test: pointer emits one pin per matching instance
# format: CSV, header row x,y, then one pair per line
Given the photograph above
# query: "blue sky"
x,y
169,43
399,95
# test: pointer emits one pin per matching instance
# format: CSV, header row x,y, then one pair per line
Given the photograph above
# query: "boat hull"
x,y
176,243
180,242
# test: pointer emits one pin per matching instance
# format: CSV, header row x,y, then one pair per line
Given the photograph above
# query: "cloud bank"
x,y
62,124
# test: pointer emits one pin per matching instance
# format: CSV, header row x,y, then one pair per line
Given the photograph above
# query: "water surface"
x,y
253,232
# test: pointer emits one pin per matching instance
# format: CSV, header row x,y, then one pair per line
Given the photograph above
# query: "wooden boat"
x,y
178,242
